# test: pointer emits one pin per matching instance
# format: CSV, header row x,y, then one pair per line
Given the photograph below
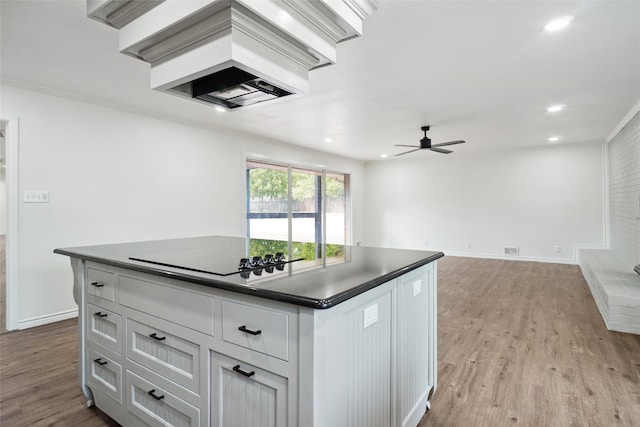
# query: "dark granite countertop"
x,y
301,283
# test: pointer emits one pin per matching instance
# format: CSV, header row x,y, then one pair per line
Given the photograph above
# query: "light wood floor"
x,y
519,344
522,343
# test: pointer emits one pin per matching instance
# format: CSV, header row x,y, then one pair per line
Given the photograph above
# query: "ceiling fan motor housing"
x,y
425,142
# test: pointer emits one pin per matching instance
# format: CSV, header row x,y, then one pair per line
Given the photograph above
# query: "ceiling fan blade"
x,y
440,150
407,152
401,145
448,143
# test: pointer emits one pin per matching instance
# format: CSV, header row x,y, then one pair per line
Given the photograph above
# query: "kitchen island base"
x,y
165,351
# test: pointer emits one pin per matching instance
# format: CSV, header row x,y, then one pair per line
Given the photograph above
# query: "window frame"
x,y
320,213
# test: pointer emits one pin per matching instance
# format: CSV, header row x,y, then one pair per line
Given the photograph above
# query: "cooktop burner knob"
x,y
280,257
244,264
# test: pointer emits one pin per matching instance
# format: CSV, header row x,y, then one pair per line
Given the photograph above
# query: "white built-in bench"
x,y
615,288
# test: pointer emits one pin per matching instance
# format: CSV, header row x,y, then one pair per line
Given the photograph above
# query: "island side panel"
x,y
415,344
379,375
352,361
79,295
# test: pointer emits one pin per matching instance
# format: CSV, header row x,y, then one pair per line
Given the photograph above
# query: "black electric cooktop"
x,y
211,261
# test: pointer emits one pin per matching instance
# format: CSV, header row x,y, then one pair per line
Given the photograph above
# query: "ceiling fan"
x,y
425,144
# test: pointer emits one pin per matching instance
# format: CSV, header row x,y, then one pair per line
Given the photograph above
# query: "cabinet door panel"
x,y
246,396
157,407
106,374
170,356
104,327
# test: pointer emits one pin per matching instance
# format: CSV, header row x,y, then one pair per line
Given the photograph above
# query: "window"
x,y
306,210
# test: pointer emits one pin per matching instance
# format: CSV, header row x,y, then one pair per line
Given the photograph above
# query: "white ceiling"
x,y
483,71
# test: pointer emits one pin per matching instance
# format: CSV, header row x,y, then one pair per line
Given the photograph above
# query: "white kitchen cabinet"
x,y
246,395
155,406
104,327
161,351
259,329
105,374
165,353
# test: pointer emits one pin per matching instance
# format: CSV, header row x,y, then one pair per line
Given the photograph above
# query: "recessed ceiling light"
x,y
554,138
328,139
384,156
555,108
220,109
558,24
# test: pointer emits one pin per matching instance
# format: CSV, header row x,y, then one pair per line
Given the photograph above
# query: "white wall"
x,y
115,176
533,199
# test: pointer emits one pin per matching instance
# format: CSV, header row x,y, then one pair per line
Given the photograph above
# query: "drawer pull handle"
x,y
100,362
245,373
100,314
243,328
97,284
156,337
153,394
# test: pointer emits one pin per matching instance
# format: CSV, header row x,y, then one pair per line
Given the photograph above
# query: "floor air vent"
x,y
511,250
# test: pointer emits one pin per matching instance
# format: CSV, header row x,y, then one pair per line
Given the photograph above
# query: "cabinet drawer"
x,y
179,306
101,283
168,355
265,331
157,407
105,374
104,327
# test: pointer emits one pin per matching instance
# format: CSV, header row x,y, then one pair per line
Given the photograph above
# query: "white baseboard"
x,y
49,318
512,258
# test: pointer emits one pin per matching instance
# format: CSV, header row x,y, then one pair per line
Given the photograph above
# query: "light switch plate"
x,y
417,287
35,196
370,315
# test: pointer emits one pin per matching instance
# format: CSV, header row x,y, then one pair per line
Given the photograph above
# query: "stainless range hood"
x,y
233,88
233,53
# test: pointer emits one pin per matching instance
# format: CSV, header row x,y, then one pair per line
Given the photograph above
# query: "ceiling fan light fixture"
x,y
558,24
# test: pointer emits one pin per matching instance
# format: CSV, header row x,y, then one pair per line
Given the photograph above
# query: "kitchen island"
x,y
194,332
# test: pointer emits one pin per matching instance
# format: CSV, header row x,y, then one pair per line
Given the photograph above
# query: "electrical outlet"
x,y
426,243
512,250
469,244
417,288
370,315
35,196
557,249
